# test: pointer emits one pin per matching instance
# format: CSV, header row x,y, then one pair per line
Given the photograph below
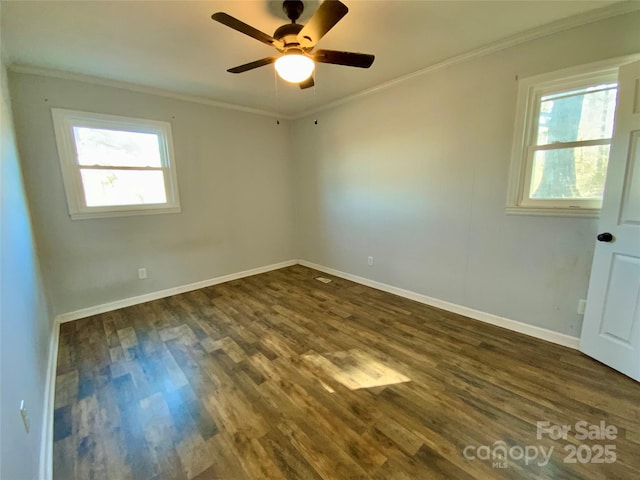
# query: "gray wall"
x,y
416,175
235,181
25,321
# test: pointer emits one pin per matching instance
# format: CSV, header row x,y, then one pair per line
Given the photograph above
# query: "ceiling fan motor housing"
x,y
288,34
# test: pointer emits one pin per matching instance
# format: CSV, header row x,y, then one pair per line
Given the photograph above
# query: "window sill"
x,y
123,213
554,212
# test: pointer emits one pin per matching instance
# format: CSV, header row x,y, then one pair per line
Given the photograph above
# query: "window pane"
x,y
123,187
577,173
585,114
116,148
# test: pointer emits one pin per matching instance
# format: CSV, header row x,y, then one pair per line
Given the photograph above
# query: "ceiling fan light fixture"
x,y
294,67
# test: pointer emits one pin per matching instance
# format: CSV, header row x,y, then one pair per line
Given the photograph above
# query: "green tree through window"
x,y
559,171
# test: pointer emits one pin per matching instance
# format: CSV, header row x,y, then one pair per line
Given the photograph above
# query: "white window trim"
x,y
529,91
64,121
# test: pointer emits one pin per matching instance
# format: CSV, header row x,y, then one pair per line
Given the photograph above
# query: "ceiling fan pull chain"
x,y
315,99
275,83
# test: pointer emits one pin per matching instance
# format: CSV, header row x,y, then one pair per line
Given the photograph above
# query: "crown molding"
x,y
568,23
139,88
620,8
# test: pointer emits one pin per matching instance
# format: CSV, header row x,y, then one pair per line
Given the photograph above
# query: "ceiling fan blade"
x,y
325,17
250,66
350,59
242,27
308,83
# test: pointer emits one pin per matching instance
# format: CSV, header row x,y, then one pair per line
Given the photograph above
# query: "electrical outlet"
x,y
582,304
142,273
370,261
25,416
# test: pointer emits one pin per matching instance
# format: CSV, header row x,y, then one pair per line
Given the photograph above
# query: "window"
x,y
114,166
564,125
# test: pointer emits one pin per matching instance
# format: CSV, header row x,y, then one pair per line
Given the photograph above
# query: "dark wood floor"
x,y
279,376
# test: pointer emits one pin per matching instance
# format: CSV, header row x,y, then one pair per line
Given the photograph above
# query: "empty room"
x,y
247,240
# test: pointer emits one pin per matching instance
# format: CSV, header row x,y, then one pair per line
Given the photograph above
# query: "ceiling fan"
x,y
296,42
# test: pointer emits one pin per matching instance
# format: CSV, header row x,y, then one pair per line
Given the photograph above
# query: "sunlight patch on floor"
x,y
355,369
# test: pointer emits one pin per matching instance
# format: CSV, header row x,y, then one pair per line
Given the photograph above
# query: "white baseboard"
x,y
520,327
516,326
148,297
46,441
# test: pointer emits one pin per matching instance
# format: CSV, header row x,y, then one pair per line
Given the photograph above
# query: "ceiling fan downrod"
x,y
293,9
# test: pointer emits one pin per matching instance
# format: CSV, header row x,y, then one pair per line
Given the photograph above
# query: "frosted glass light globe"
x,y
294,68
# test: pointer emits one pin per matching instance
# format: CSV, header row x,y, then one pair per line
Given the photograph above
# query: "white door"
x,y
611,328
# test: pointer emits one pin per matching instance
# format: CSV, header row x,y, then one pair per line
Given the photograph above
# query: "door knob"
x,y
605,237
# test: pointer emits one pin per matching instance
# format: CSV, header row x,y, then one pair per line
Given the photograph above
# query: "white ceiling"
x,y
174,45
